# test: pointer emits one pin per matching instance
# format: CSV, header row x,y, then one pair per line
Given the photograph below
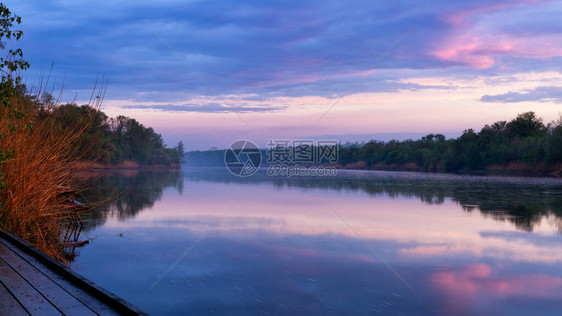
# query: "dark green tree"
x,y
180,152
525,125
554,147
10,66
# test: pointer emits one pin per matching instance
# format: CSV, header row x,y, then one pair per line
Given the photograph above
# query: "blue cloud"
x,y
538,94
207,108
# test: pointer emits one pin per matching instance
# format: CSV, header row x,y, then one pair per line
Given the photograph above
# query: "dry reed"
x,y
34,202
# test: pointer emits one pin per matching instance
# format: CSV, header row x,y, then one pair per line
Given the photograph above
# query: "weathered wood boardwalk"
x,y
33,284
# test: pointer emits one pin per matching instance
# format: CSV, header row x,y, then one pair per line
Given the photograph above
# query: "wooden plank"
x,y
48,287
95,304
9,305
29,298
110,300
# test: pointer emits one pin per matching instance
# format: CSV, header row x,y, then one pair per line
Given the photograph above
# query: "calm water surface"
x,y
202,241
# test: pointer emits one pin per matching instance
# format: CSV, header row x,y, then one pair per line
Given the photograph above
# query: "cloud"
x,y
482,35
206,108
538,94
293,48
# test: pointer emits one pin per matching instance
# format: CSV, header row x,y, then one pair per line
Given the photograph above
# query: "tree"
x,y
554,148
180,152
499,126
525,125
11,81
13,62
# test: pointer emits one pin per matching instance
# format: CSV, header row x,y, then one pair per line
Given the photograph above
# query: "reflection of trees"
x,y
127,193
523,205
521,201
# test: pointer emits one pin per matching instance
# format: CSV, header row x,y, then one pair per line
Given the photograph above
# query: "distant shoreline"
x,y
512,169
128,165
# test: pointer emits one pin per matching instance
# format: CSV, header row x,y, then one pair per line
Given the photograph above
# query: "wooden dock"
x,y
33,284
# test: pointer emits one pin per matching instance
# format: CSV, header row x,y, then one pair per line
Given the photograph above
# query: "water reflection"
x,y
521,201
466,245
127,193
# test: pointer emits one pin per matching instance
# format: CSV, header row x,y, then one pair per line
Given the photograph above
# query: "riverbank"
x,y
511,169
126,165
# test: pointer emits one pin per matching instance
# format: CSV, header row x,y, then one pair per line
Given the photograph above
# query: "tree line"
x,y
112,140
522,144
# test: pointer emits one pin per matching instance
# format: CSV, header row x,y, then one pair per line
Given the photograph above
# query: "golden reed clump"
x,y
41,171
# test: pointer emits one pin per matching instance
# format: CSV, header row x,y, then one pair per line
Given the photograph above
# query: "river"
x,y
202,241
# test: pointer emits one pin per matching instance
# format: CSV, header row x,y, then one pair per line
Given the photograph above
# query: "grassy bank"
x,y
127,165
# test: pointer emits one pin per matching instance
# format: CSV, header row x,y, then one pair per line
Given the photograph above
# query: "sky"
x,y
211,72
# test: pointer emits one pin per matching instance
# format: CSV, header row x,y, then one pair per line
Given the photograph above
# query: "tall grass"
x,y
40,172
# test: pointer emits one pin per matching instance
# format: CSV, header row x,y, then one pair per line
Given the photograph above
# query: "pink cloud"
x,y
472,42
461,17
473,51
479,51
464,53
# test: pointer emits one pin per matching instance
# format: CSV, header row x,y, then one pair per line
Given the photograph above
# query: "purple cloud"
x,y
289,48
538,94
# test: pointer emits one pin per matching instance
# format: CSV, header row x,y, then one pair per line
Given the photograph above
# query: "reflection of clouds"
x,y
536,239
402,234
405,227
280,251
508,250
199,221
476,283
